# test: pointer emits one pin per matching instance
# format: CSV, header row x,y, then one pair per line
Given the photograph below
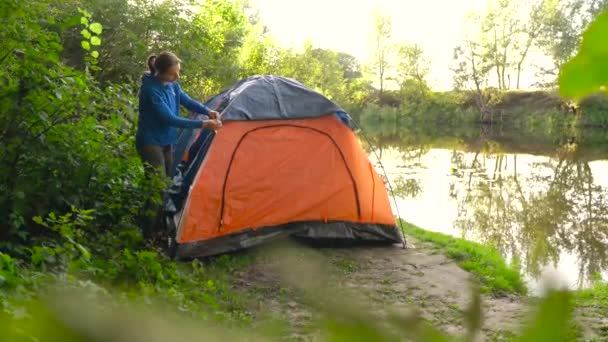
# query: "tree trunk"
x,y
504,66
381,81
496,61
523,57
518,73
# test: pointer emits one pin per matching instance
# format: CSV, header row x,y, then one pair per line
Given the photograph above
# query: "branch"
x,y
51,126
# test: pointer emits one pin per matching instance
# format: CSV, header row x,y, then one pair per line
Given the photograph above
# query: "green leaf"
x,y
85,252
70,22
38,220
85,45
85,33
95,41
473,314
552,318
84,21
96,28
587,72
53,57
84,12
94,54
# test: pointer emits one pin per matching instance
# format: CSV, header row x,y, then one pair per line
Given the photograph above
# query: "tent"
x,y
285,163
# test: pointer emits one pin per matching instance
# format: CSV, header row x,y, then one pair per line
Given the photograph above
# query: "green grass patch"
x,y
595,296
484,262
145,276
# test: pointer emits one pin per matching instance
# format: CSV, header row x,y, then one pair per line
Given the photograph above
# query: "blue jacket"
x,y
159,111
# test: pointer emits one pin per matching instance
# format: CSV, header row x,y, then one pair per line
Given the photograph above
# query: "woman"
x,y
159,99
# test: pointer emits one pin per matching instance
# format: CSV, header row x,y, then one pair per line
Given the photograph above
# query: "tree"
x,y
527,37
510,29
132,31
211,46
499,28
586,73
559,38
208,38
350,66
595,8
471,72
258,53
382,46
412,67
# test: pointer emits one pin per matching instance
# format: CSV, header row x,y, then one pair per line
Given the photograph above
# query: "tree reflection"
x,y
530,211
409,150
407,187
555,207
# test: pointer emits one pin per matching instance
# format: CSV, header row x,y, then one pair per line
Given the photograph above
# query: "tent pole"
x,y
385,175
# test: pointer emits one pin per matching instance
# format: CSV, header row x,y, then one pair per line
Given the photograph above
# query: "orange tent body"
x,y
262,179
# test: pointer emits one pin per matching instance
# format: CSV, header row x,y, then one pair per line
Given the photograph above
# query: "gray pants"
x,y
156,158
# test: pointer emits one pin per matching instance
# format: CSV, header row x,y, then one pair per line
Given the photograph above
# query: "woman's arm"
x,y
162,111
190,104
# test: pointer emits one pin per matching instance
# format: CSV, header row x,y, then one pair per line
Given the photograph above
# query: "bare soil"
x,y
381,280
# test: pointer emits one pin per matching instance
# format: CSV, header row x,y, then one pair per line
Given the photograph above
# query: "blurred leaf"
x,y
95,41
552,320
38,220
587,72
85,45
473,315
70,22
86,34
96,28
84,12
94,54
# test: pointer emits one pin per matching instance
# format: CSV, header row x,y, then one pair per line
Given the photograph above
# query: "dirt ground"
x,y
381,280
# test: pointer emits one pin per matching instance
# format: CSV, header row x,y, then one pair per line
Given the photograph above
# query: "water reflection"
x,y
547,209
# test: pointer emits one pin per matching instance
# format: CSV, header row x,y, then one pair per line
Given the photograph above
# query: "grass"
x,y
596,296
199,290
201,295
483,262
346,266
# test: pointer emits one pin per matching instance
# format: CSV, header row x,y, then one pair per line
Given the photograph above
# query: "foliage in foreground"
x,y
69,308
595,296
67,131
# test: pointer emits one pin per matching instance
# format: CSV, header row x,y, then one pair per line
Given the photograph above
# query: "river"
x,y
541,200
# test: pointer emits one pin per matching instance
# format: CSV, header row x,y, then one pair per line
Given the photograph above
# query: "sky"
x,y
347,26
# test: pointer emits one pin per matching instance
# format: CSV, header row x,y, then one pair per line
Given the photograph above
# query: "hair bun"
x,y
150,61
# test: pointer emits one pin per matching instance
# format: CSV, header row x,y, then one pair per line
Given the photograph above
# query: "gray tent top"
x,y
265,97
270,97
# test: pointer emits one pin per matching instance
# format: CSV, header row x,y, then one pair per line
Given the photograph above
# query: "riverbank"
x,y
529,111
585,144
285,291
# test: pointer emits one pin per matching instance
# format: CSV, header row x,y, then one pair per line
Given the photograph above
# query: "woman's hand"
x,y
213,114
213,124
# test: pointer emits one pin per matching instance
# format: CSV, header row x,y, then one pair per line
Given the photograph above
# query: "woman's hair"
x,y
150,61
163,62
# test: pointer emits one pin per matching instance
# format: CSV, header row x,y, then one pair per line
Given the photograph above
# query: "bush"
x,y
66,141
594,109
